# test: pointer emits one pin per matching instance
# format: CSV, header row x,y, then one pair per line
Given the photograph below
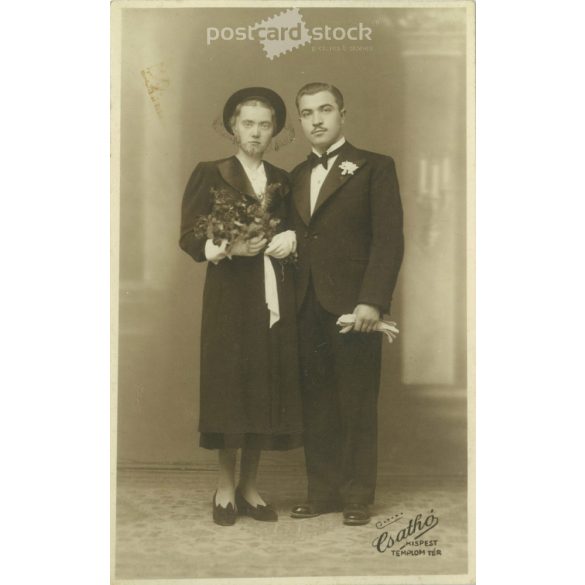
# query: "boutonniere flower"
x,y
348,168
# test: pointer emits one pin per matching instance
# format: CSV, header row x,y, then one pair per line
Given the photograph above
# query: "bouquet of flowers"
x,y
234,217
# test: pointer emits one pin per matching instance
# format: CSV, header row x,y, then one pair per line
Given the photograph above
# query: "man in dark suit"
x,y
347,216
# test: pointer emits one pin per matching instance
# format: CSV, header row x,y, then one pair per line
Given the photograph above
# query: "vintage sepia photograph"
x,y
293,292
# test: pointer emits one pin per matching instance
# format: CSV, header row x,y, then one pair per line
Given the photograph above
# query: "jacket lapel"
x,y
336,177
302,192
272,175
233,174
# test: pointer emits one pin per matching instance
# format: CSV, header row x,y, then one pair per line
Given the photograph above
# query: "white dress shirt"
x,y
319,173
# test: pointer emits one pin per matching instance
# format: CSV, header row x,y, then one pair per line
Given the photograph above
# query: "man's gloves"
x,y
388,328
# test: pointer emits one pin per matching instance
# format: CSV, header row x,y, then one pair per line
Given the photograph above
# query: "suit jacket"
x,y
352,245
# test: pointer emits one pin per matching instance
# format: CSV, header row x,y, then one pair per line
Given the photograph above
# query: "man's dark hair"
x,y
316,87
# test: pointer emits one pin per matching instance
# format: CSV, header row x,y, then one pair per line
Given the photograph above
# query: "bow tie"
x,y
316,160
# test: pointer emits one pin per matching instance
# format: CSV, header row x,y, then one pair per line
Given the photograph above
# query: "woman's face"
x,y
253,129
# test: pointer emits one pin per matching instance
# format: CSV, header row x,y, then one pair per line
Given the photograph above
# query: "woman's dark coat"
x,y
238,393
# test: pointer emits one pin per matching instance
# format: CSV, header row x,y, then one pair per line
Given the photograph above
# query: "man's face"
x,y
253,129
321,119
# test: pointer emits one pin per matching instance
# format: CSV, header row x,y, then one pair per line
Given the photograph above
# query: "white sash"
x,y
271,291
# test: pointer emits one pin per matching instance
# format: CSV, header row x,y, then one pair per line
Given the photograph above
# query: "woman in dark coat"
x,y
249,379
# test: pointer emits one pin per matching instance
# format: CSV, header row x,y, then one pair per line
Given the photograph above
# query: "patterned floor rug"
x,y
164,530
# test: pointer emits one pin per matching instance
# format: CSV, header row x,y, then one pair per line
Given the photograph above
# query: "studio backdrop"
x,y
403,75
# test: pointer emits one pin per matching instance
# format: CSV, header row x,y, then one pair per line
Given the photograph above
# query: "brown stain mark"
x,y
156,81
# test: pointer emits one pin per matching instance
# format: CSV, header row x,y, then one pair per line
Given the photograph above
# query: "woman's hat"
x,y
249,93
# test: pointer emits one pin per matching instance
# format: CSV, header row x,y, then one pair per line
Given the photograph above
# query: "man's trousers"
x,y
340,375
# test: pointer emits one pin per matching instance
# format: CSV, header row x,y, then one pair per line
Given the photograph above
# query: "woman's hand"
x,y
282,245
249,247
215,253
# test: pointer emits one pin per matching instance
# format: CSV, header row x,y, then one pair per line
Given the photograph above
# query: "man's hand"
x,y
247,247
282,245
366,317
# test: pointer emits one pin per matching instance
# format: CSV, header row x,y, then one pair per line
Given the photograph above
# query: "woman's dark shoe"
x,y
224,516
263,513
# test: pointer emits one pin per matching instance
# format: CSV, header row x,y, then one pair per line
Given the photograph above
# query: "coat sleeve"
x,y
387,247
197,201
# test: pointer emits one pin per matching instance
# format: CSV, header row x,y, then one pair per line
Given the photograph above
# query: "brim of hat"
x,y
247,93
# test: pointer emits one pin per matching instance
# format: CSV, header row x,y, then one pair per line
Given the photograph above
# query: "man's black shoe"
x,y
356,514
313,509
